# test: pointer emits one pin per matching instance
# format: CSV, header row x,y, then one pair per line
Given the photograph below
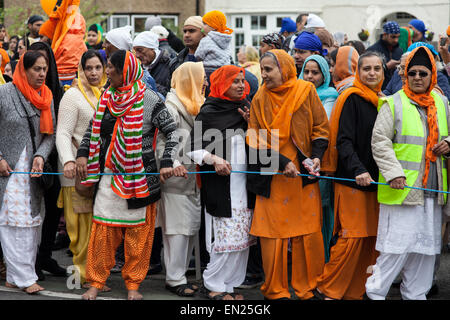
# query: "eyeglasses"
x,y
422,74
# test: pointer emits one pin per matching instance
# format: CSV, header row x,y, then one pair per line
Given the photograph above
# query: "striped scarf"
x,y
125,150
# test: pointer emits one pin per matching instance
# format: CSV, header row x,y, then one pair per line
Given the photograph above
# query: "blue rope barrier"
x,y
236,171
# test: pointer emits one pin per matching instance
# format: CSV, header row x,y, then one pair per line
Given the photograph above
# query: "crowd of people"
x,y
271,159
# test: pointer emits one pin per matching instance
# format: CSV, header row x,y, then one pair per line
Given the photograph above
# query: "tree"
x,y
15,17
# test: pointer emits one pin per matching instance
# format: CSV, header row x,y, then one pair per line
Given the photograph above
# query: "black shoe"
x,y
51,266
154,269
62,241
40,274
251,282
434,290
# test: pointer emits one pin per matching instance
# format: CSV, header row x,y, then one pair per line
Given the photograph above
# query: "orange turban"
x,y
217,20
448,31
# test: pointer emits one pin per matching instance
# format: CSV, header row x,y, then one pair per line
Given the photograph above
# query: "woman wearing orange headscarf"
x,y
409,144
218,144
179,208
343,67
26,131
289,124
355,204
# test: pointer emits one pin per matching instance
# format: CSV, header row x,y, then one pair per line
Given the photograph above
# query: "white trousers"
x,y
225,270
177,253
416,271
19,246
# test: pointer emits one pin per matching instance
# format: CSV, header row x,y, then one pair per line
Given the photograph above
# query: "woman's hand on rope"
x,y
70,170
4,168
398,183
364,179
38,167
81,164
222,167
165,173
291,170
180,171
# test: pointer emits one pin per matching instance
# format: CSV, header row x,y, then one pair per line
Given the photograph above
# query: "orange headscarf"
x,y
188,80
40,98
217,20
59,22
330,158
5,59
426,101
345,68
273,109
222,79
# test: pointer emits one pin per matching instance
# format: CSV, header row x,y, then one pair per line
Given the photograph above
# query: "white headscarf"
x,y
314,21
151,22
148,39
160,31
121,38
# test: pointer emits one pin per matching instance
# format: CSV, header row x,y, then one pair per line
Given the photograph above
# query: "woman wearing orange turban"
x,y
289,124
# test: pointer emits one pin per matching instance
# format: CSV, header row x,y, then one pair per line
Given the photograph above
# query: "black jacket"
x,y
354,142
382,47
160,72
175,42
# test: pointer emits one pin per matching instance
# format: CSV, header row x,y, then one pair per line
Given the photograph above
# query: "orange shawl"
x,y
276,109
59,22
330,158
5,60
40,98
426,101
346,65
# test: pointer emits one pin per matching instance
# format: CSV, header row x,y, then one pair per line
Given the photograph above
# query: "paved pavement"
x,y
152,288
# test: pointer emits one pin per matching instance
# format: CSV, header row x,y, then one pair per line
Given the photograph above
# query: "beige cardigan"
x,y
389,166
74,116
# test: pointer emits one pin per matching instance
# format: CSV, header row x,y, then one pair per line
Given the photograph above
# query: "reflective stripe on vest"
x,y
409,143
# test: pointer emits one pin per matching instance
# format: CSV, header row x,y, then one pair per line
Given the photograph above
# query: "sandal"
x,y
180,290
207,294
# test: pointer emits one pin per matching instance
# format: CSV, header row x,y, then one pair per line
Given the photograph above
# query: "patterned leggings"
x,y
138,243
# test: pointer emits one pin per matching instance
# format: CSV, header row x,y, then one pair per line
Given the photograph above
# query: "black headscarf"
x,y
52,80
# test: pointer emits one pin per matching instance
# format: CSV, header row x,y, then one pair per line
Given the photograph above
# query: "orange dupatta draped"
x,y
346,65
59,22
273,109
330,158
40,98
426,101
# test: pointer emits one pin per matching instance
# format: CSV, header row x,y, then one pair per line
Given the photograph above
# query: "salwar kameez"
x,y
19,231
78,225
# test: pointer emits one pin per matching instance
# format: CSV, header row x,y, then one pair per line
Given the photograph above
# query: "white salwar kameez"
x,y
179,217
409,238
229,251
19,231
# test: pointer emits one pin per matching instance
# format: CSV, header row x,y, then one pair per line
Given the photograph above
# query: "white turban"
x,y
151,22
147,39
121,38
160,31
314,21
195,21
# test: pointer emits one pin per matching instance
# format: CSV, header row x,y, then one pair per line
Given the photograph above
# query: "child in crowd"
x,y
213,49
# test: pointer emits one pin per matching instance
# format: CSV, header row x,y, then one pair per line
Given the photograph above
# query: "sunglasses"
x,y
422,74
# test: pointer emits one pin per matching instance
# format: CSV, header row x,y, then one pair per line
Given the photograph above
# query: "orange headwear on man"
x,y
217,20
